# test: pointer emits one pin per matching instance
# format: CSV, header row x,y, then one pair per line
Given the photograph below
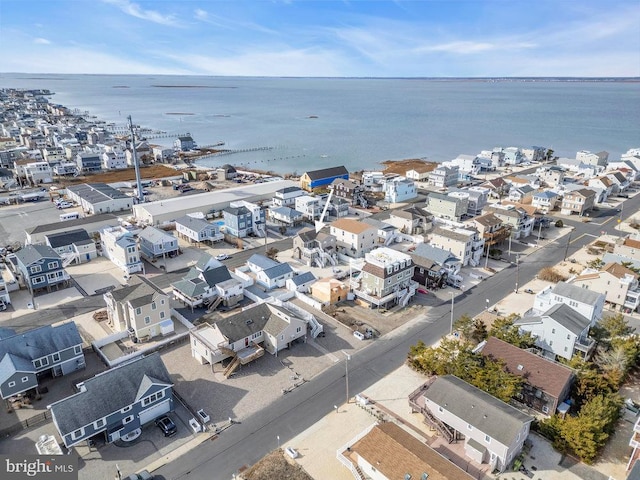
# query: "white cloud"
x,y
41,41
135,10
201,14
470,47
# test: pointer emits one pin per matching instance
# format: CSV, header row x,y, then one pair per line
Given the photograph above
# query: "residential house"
x,y
633,465
329,291
300,282
599,159
268,272
337,207
141,308
551,176
493,431
520,222
373,181
419,173
73,246
245,336
386,279
521,194
385,451
586,302
226,172
244,218
285,216
579,167
88,162
65,168
534,154
119,245
310,207
322,178
313,247
446,206
387,233
522,180
628,168
348,190
115,403
444,177
491,228
512,155
559,331
604,184
196,229
545,201
208,283
399,189
466,244
286,197
43,351
34,172
498,188
144,154
156,243
619,182
353,238
410,221
435,268
579,201
5,298
618,283
546,384
628,247
184,143
468,166
477,200
41,268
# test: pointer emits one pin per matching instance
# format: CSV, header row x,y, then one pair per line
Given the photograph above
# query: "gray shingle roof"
x,y
109,392
96,192
576,293
70,237
438,255
155,235
303,278
192,223
486,413
139,292
262,262
39,342
564,315
278,270
327,172
75,223
34,253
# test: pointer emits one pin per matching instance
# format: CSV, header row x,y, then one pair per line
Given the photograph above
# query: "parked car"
x,y
167,426
222,256
142,475
528,290
62,205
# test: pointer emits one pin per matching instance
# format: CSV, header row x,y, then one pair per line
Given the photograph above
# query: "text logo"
x,y
46,467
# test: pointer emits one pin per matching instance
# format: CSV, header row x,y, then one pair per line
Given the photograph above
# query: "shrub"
x,y
559,224
550,274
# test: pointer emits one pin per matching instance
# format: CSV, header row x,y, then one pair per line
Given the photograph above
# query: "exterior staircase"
x,y
68,258
232,368
215,304
430,419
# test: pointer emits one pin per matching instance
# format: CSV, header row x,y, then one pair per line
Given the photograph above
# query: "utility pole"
x,y
540,230
135,161
451,330
517,271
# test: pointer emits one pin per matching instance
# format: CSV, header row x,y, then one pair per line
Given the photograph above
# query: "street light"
x,y
487,304
336,407
517,271
451,329
278,438
346,372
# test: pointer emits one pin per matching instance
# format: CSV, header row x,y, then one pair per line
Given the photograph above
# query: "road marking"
x,y
584,235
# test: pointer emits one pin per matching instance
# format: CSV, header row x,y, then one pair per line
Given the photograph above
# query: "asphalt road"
x,y
248,441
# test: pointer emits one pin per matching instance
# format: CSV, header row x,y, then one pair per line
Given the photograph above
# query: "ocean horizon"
x,y
293,124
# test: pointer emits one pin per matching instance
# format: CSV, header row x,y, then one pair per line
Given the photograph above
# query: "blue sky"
x,y
419,38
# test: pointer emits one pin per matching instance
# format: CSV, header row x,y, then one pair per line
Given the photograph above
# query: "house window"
x,y
298,329
41,362
12,384
77,434
126,409
162,302
568,336
147,320
52,265
127,419
77,349
161,314
39,279
36,269
153,305
487,438
56,357
545,409
99,423
25,379
152,398
553,330
138,311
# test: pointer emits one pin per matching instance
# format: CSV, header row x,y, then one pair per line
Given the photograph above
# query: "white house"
x,y
586,302
196,229
119,245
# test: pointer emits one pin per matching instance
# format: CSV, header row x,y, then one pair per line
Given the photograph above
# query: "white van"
x,y
69,216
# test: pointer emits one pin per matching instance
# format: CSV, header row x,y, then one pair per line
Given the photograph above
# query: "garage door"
x,y
154,412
